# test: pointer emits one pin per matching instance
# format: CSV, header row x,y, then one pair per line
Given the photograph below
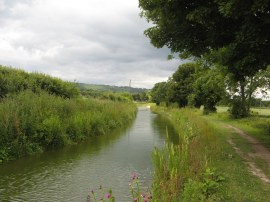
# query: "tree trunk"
x,y
244,107
251,90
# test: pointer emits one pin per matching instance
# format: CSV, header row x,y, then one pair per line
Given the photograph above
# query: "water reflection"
x,y
165,130
68,174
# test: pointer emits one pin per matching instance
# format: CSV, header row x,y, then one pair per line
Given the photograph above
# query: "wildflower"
x,y
135,199
134,175
107,195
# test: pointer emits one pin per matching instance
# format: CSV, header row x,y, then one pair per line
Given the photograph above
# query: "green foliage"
x,y
122,97
214,170
192,84
197,84
13,81
208,90
159,93
233,34
238,109
182,81
31,122
195,28
182,171
141,97
204,190
108,88
176,89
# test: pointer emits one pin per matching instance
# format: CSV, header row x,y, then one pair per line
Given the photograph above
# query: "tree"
x,y
259,83
193,28
239,29
159,92
181,84
208,90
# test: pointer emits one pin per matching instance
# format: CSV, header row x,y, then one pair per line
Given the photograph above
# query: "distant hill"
x,y
108,88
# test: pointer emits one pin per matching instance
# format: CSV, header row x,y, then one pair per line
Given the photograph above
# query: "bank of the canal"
x,y
69,174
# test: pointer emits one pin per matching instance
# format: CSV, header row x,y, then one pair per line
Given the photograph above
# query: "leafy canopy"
x,y
196,28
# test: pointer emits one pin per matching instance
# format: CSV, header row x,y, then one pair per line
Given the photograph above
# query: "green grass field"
x,y
257,125
260,111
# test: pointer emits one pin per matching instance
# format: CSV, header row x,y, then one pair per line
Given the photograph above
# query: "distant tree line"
x,y
143,96
195,85
108,88
120,96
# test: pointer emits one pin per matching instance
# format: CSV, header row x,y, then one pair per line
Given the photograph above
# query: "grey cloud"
x,y
109,49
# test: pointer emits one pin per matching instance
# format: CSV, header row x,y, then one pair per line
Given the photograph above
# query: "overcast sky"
x,y
90,41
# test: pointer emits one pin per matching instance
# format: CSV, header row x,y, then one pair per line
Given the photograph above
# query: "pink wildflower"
x,y
134,175
107,195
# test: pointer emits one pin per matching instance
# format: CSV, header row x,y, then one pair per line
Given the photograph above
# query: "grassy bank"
x,y
34,122
203,166
257,125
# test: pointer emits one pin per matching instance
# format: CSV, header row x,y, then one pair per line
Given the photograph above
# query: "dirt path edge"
x,y
259,149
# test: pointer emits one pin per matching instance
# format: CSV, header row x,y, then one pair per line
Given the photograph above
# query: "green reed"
x,y
31,122
183,172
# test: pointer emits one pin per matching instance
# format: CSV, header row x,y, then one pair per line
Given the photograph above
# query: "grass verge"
x,y
203,166
255,125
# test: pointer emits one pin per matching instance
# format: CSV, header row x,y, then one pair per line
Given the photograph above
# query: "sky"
x,y
87,41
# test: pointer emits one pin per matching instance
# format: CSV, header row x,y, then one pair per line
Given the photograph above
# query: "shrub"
x,y
13,81
238,109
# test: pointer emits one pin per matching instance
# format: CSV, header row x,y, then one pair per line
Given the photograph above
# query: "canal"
x,y
70,173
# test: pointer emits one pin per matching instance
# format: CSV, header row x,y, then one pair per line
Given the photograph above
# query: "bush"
x,y
238,109
13,81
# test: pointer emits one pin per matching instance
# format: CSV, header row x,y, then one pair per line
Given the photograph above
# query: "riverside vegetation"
x,y
203,166
39,112
225,69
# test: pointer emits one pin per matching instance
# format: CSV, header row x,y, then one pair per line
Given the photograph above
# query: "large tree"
x,y
193,28
240,29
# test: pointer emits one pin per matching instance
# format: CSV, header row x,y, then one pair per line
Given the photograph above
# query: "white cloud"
x,y
2,5
92,41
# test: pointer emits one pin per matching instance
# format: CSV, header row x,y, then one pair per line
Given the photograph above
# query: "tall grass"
x,y
183,172
32,122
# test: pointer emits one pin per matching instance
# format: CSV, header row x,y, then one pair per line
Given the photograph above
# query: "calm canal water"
x,y
69,174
